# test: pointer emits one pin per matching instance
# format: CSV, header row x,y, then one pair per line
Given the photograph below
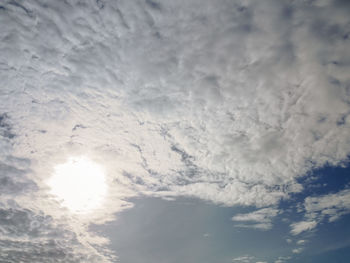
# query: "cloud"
x,y
297,250
260,219
27,236
229,101
244,259
302,226
301,242
282,259
13,179
205,123
330,206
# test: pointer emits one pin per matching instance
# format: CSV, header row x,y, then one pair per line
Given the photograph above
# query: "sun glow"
x,y
79,184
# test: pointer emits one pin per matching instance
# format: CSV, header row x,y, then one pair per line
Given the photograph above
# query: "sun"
x,y
79,184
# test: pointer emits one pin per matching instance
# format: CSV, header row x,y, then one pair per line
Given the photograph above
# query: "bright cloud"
x,y
79,184
227,101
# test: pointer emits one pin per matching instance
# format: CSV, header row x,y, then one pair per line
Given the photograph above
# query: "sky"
x,y
167,131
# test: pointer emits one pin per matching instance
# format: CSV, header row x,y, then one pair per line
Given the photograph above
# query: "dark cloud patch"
x,y
327,32
5,127
287,12
20,6
14,180
78,126
100,4
184,156
342,4
154,5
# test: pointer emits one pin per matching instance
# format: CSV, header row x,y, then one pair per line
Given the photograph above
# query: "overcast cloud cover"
x,y
227,101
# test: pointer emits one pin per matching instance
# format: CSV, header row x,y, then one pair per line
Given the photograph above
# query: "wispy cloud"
x,y
331,207
260,219
244,259
302,226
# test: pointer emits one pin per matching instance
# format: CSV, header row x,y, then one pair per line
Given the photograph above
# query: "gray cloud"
x,y
35,237
228,101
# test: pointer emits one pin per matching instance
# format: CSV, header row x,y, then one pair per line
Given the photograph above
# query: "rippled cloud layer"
x,y
227,101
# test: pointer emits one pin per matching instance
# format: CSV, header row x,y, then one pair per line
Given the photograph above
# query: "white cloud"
x,y
297,250
260,219
228,101
282,259
302,226
259,226
331,206
244,259
301,242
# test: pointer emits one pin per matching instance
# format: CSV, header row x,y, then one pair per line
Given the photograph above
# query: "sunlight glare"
x,y
80,184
